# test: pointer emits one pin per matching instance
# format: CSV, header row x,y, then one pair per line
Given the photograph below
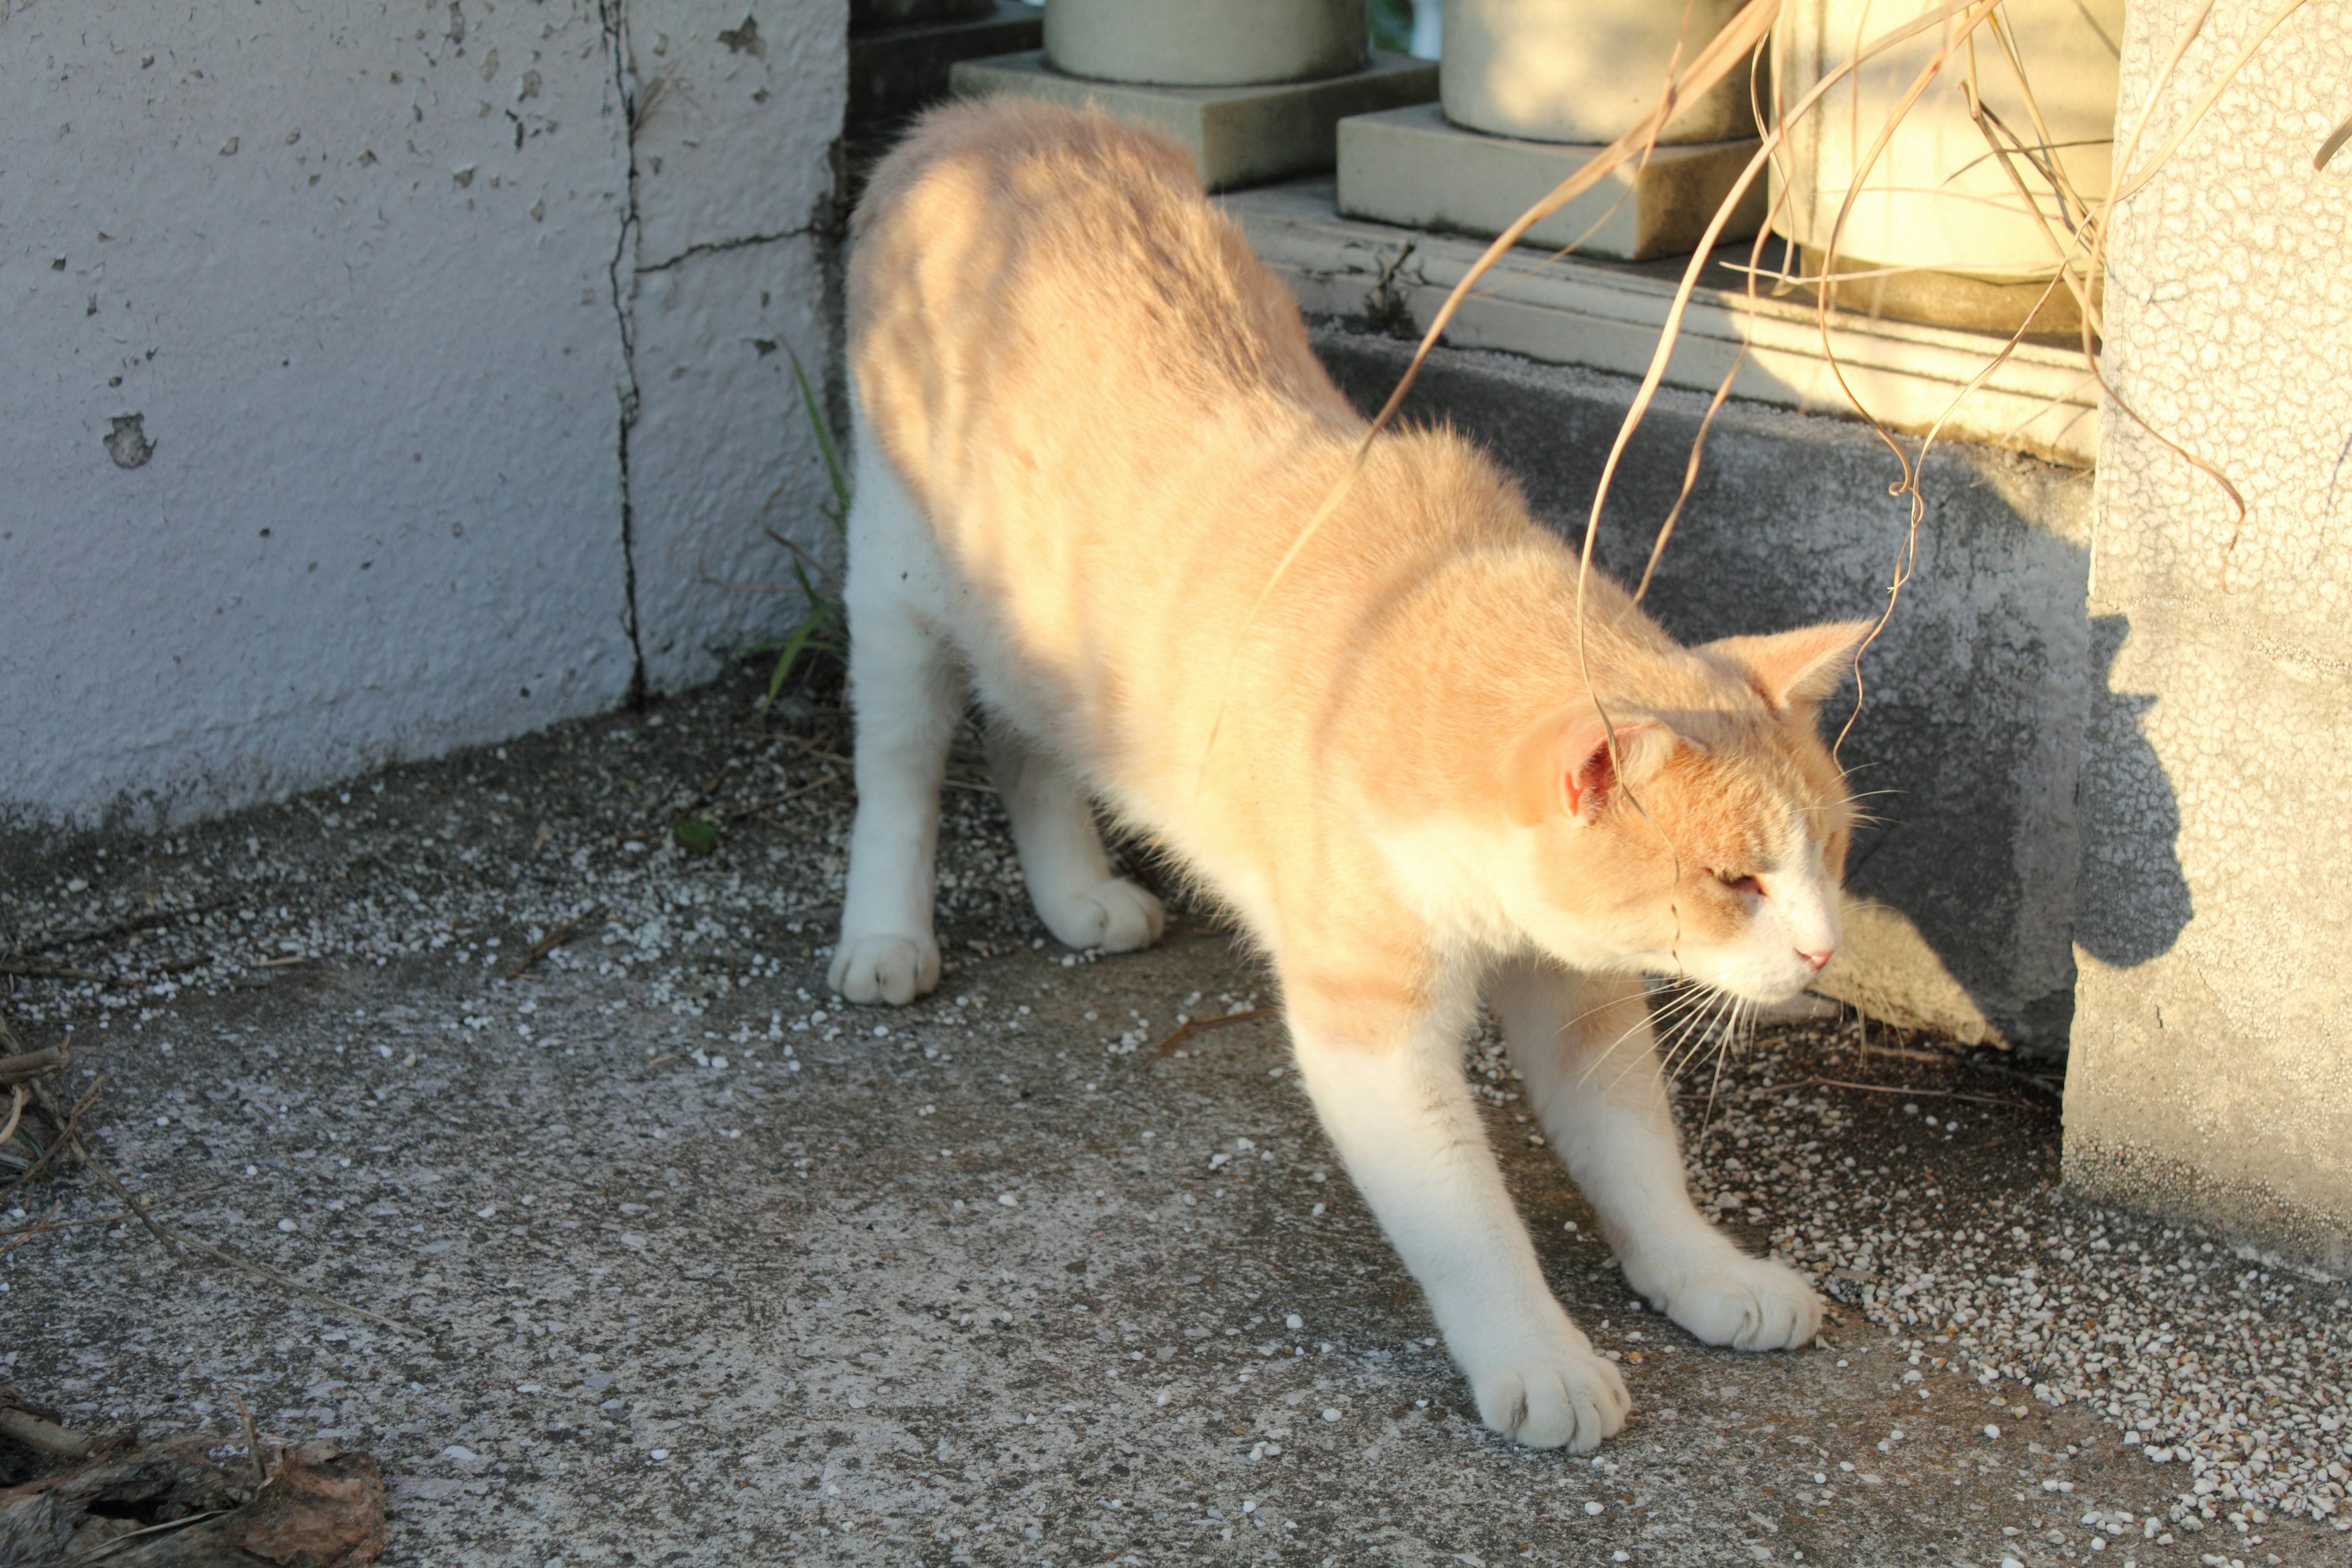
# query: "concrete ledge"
x,y
1607,315
1237,135
1415,167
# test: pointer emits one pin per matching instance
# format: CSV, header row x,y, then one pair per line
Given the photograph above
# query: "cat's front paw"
x,y
1748,1303
884,968
1550,1392
1116,916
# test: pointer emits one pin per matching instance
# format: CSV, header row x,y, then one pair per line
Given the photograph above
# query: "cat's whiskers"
x,y
1648,1020
1696,1012
1744,1014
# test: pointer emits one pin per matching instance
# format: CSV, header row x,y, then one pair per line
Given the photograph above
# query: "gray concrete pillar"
x,y
2211,1073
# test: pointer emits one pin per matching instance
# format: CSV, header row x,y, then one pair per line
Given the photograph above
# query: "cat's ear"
x,y
1793,670
1565,765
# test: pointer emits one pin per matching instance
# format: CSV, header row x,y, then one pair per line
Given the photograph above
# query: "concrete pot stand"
x,y
1530,91
1255,89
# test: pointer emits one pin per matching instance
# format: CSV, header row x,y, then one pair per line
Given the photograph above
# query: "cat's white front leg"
x,y
1582,1047
907,692
1403,1122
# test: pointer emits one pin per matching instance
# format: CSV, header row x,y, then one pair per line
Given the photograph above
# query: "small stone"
x,y
1007,1199
1592,1508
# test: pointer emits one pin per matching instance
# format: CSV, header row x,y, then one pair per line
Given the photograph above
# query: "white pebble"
x,y
1592,1508
1007,1199
1330,1413
1294,1321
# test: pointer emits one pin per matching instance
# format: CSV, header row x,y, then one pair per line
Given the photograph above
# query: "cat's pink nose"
x,y
1817,957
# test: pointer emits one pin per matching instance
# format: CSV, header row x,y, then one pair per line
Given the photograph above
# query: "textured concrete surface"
x,y
1415,167
1967,748
692,1267
2212,1070
1237,135
340,430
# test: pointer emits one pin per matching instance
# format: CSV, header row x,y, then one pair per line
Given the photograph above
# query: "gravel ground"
x,y
689,1263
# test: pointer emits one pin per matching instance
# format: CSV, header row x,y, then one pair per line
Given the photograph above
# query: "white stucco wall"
x,y
439,409
2210,1073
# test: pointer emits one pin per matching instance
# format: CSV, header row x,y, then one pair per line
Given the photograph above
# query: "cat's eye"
x,y
1741,883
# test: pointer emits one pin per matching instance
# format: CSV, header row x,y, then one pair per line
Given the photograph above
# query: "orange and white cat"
x,y
1088,426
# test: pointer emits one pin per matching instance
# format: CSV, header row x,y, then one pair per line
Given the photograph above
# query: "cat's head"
x,y
1702,833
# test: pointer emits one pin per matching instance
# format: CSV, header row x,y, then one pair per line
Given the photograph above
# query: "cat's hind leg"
x,y
907,692
1582,1046
1386,1080
1062,858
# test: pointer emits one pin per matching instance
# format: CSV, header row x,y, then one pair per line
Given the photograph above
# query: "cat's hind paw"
x,y
884,968
1748,1303
1561,1397
1116,916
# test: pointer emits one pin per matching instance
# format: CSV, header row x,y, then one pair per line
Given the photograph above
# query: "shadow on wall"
x,y
2129,843
1982,697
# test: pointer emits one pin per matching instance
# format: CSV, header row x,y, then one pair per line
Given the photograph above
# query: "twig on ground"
x,y
123,928
29,970
65,1134
740,812
2013,1075
1876,1089
1945,1059
115,1545
43,1437
21,1231
32,1064
252,1442
82,1150
16,1113
222,1255
555,940
179,1245
34,1230
1186,1031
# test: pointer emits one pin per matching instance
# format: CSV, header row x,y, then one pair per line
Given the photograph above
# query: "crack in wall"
x,y
717,246
612,16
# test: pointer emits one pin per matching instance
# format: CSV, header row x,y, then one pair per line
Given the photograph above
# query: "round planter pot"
x,y
1582,71
1205,43
1937,198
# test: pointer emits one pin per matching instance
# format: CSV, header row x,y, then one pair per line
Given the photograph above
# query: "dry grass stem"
x,y
1186,1031
555,939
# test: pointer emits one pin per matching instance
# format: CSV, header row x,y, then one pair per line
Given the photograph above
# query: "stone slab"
x,y
1237,135
1415,167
